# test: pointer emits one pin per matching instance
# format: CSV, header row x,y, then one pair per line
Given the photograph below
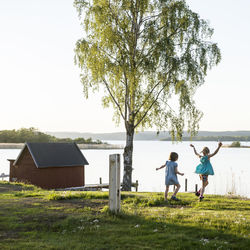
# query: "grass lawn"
x,y
33,218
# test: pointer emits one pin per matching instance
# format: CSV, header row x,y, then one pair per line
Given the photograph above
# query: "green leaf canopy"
x,y
150,56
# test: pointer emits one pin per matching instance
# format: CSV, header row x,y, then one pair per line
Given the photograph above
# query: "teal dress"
x,y
205,167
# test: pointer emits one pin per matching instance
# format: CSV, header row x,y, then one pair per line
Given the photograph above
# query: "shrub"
x,y
235,144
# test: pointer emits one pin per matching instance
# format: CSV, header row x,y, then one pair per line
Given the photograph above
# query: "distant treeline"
x,y
33,135
214,138
154,136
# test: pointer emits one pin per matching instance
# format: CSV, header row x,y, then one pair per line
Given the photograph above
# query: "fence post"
x,y
196,188
186,184
114,183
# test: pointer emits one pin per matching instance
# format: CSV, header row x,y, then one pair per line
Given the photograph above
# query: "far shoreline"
x,y
101,146
229,146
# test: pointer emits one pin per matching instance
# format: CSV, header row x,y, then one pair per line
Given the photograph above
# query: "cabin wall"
x,y
12,174
48,178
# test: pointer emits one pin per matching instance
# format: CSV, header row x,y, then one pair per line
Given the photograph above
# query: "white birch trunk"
x,y
127,157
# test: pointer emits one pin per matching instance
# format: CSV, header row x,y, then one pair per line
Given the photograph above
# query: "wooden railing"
x,y
3,175
100,186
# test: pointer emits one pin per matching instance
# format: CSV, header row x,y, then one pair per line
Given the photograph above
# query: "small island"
x,y
235,144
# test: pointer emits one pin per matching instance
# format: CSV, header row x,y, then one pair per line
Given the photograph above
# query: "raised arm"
x,y
191,145
216,151
163,166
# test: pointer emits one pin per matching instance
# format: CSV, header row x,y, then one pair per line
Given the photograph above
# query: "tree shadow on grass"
x,y
87,224
156,234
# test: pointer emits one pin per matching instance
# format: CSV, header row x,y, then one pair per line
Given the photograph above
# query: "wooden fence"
x,y
4,176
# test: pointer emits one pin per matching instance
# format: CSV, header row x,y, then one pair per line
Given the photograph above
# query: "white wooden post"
x,y
114,183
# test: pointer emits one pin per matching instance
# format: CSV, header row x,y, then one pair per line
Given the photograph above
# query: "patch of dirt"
x,y
37,213
95,204
4,188
8,235
81,203
7,187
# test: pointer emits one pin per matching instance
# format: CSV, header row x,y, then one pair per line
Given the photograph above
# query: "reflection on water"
x,y
231,166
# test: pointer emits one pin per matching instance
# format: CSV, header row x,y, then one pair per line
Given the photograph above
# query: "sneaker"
x,y
197,193
174,198
201,198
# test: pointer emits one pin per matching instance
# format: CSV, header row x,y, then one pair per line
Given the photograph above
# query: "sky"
x,y
40,84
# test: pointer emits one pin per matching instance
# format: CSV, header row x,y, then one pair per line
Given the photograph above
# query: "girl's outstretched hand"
x,y
220,144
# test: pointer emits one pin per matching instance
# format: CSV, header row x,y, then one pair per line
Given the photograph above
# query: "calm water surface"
x,y
231,166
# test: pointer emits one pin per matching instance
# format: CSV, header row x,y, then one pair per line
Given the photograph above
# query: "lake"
x,y
231,166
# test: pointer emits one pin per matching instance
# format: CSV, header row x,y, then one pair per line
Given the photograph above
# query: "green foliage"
x,y
23,135
149,56
33,135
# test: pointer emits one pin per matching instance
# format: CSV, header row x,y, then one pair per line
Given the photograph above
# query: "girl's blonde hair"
x,y
173,156
205,150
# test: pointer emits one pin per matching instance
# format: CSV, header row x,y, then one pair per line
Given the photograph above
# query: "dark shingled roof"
x,y
55,155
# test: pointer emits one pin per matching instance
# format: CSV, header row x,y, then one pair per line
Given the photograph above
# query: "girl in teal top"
x,y
204,168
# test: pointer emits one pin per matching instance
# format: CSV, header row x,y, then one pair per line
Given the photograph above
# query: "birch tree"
x,y
149,56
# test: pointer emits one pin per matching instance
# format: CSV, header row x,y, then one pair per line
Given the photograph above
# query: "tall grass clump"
x,y
28,193
67,195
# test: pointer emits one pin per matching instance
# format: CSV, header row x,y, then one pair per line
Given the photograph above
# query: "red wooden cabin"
x,y
49,165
